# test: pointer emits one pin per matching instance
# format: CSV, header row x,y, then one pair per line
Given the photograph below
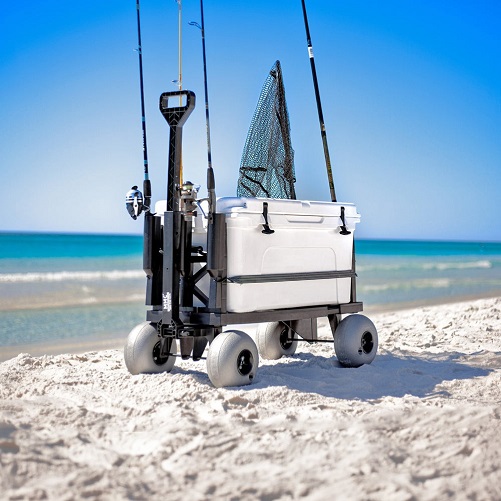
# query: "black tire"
x,y
232,359
355,341
142,351
272,339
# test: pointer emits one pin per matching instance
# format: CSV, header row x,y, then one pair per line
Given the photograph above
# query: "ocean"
x,y
66,286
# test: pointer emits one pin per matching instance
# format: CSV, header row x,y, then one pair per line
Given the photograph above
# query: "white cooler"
x,y
264,270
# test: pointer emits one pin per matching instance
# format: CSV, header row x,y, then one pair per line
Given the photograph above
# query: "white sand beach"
x,y
423,421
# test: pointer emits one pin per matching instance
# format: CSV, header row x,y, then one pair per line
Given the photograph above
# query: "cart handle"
x,y
177,115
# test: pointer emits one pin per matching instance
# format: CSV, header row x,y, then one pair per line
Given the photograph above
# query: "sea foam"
x,y
61,276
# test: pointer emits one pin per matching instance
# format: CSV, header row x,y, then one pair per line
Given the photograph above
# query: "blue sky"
x,y
411,92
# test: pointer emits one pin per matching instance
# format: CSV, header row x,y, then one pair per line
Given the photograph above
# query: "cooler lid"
x,y
229,205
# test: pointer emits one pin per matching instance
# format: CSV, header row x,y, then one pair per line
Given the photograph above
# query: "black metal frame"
x,y
169,258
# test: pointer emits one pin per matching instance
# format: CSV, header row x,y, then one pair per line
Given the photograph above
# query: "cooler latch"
x,y
266,227
343,230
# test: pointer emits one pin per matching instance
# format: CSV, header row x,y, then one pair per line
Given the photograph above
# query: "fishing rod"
x,y
210,171
146,182
135,202
319,106
180,67
180,45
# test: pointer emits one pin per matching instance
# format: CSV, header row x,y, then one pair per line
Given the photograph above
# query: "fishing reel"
x,y
188,199
134,202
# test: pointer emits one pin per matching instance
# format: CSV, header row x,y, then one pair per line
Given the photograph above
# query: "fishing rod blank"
x,y
210,171
180,47
180,67
319,106
134,201
146,182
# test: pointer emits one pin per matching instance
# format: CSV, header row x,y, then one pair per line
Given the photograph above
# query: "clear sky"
x,y
411,92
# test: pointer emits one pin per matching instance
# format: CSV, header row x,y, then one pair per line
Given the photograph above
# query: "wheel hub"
x,y
157,357
367,343
285,341
245,362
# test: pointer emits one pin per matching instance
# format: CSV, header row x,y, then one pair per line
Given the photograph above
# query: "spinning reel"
x,y
134,202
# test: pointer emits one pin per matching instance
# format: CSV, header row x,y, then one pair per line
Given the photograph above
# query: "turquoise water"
x,y
69,286
78,286
419,271
59,246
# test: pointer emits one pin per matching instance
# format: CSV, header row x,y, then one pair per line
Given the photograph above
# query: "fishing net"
x,y
267,166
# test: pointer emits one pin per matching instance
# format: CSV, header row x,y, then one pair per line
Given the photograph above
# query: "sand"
x,y
423,421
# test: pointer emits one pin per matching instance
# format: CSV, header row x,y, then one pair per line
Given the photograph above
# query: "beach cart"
x,y
212,263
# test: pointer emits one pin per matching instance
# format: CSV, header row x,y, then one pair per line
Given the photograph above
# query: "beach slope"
x,y
421,422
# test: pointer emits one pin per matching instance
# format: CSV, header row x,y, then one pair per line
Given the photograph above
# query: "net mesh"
x,y
267,166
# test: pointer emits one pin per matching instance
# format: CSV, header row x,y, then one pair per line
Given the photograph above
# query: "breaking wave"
x,y
61,276
458,266
438,283
481,264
